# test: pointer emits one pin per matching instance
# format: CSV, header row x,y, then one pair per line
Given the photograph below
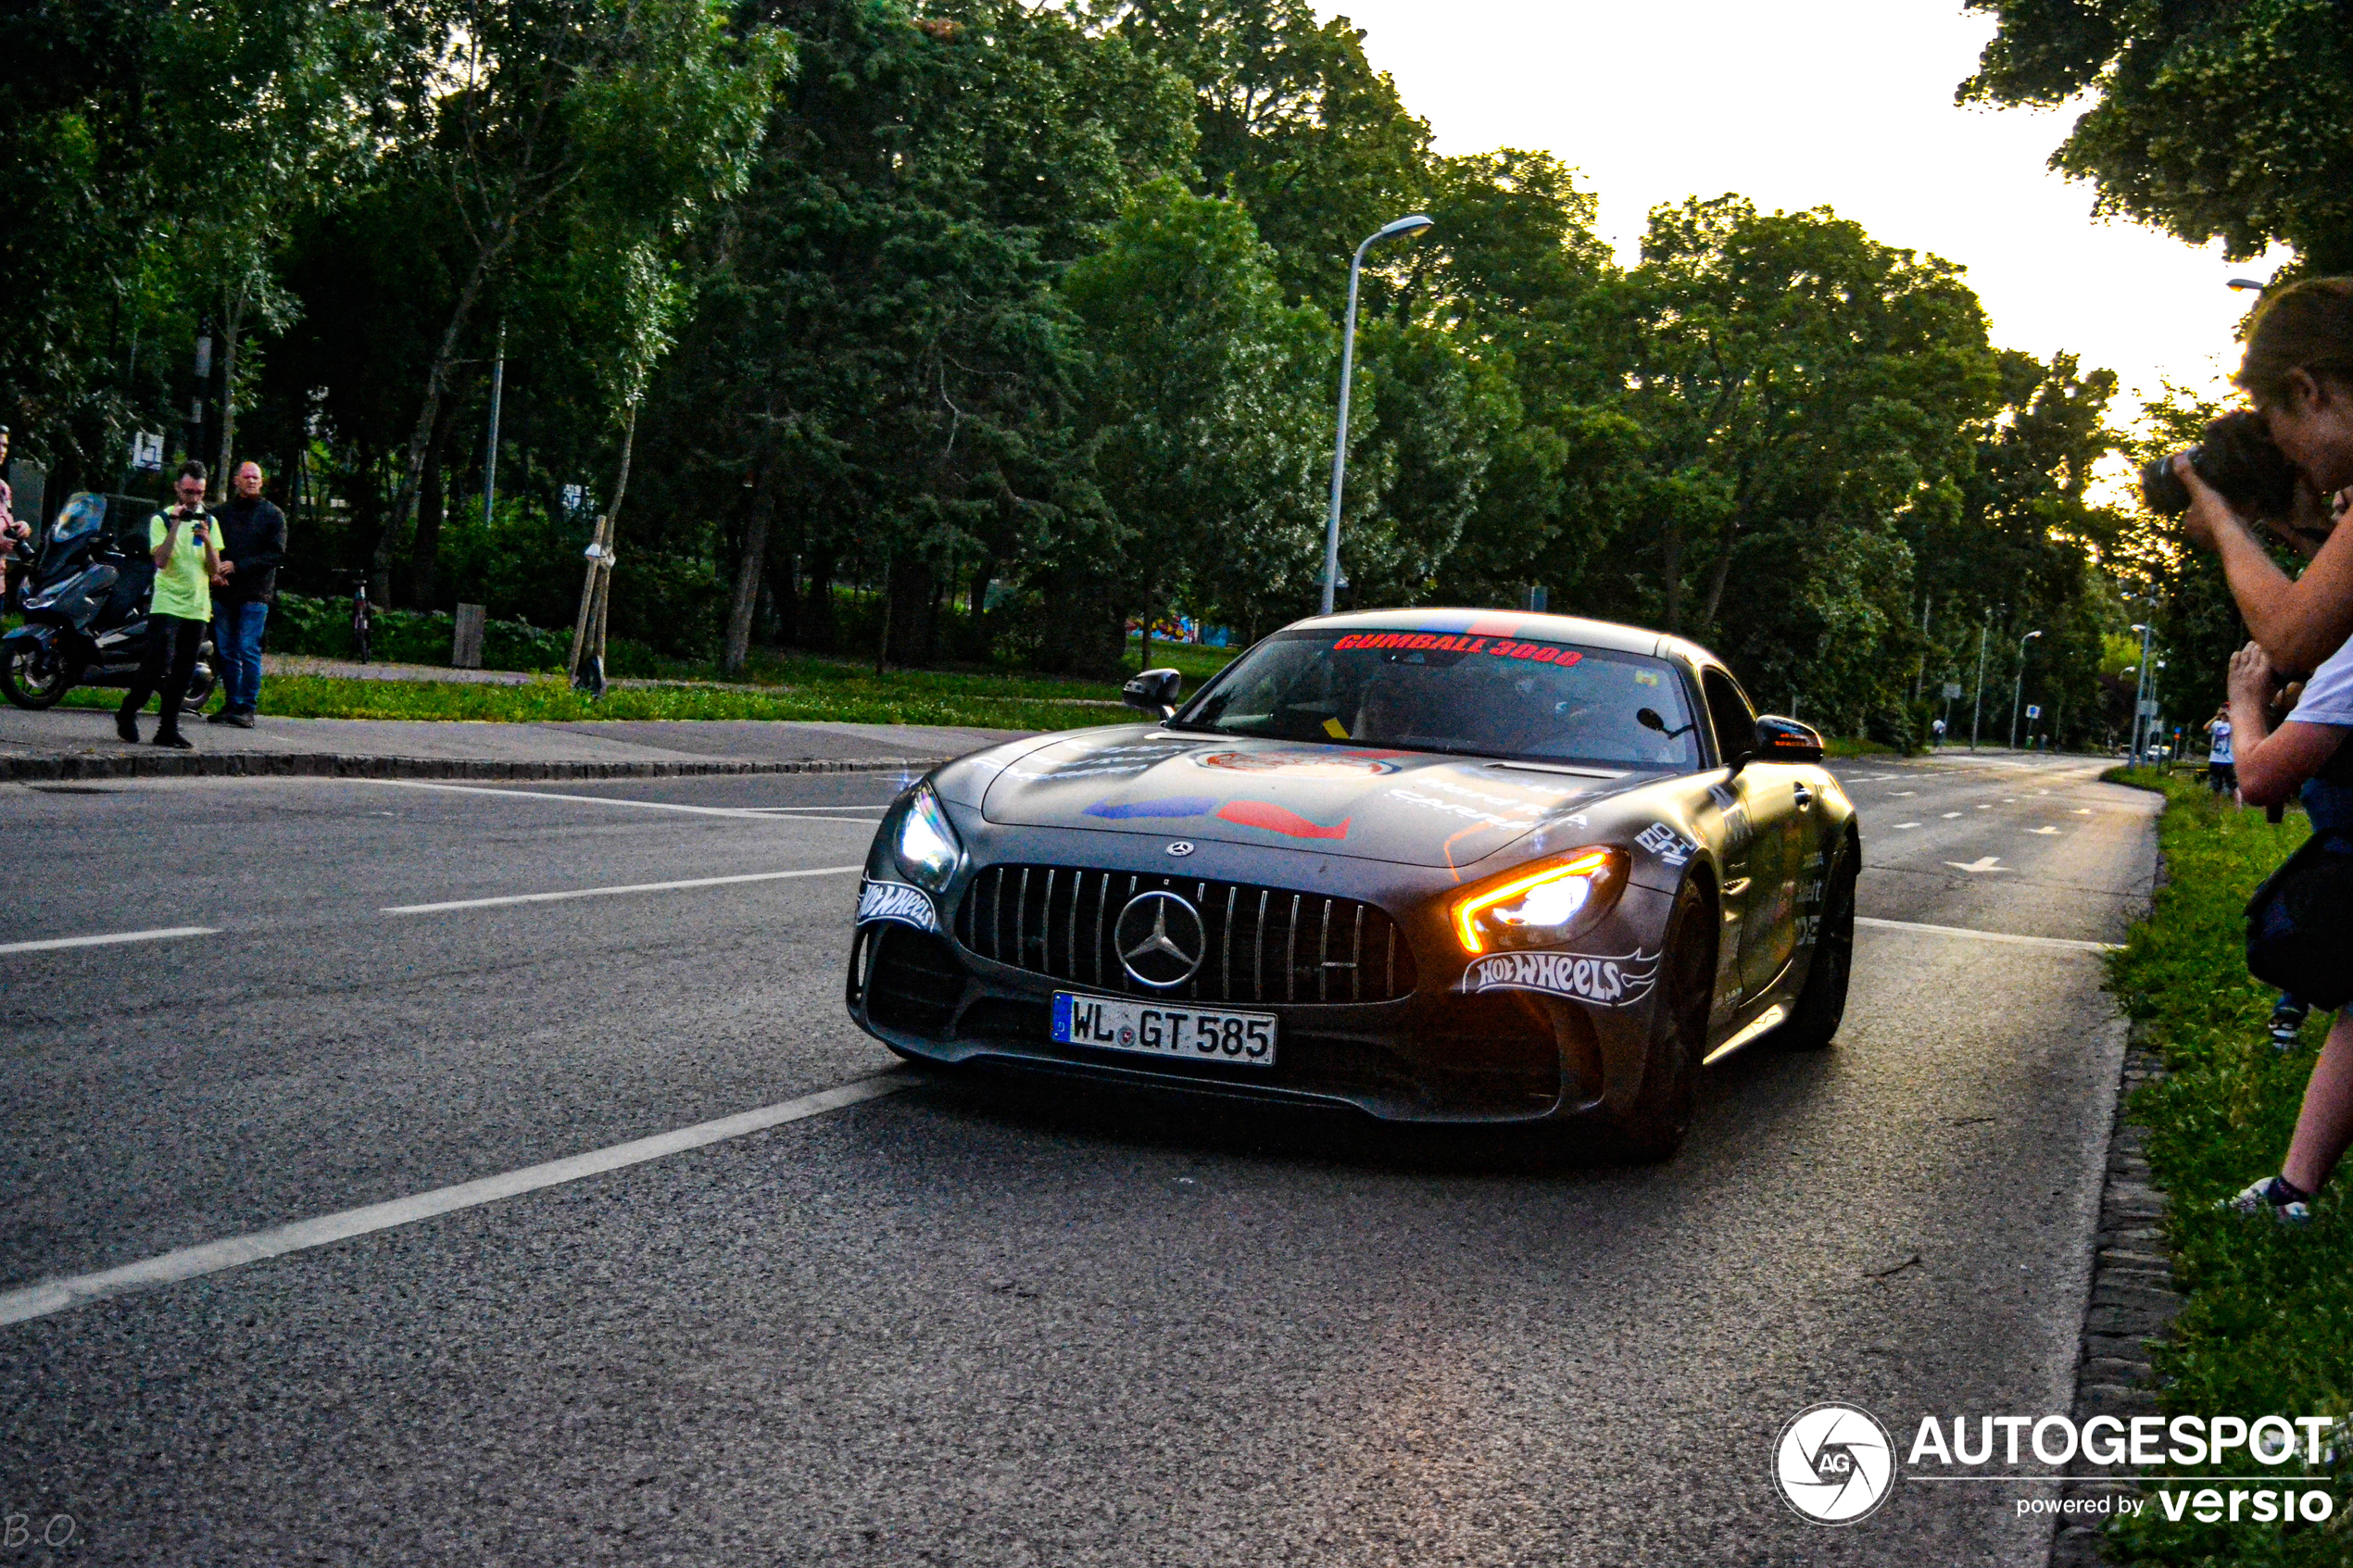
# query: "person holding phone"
x,y
187,558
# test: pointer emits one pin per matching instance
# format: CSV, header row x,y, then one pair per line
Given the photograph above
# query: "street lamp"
x,y
2140,689
1347,372
2018,688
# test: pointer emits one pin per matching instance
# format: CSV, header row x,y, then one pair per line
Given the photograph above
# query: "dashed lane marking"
x,y
610,892
1908,824
162,933
757,813
58,1295
1950,815
2066,942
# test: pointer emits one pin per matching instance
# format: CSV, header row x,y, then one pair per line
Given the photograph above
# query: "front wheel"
x,y
1823,1005
1653,1125
33,674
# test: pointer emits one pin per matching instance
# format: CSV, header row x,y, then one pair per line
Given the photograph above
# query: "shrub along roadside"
x,y
314,696
2268,1325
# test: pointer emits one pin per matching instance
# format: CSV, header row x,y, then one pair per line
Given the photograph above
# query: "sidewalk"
x,y
70,743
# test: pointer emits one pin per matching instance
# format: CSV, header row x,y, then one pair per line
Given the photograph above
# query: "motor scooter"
x,y
85,613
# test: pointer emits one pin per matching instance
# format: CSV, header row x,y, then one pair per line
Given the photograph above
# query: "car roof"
x,y
1609,635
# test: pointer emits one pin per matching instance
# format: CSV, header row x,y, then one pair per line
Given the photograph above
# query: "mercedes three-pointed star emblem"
x,y
1161,939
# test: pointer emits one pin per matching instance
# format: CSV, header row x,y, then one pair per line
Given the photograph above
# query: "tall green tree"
x,y
1204,407
2210,118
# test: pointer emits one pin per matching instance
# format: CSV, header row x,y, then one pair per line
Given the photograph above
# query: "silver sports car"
x,y
1463,866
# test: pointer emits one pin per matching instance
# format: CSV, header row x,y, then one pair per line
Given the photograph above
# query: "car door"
x,y
1762,819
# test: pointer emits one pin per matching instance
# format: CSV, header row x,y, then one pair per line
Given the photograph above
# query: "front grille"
x,y
1264,943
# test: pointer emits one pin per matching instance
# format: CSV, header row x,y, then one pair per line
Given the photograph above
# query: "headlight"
x,y
1540,907
927,848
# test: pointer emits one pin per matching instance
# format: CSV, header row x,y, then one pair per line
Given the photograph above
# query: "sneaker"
x,y
241,718
172,740
221,716
127,726
2287,1024
2275,1195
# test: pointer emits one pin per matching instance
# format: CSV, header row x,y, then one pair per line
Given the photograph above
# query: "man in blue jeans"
x,y
253,541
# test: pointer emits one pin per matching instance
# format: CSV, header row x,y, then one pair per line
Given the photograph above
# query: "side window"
x,y
1728,711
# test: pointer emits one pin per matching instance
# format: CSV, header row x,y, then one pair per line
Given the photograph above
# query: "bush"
x,y
322,628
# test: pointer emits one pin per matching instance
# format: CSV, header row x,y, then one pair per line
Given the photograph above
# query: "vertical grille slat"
x,y
1226,962
1356,959
1290,953
1081,906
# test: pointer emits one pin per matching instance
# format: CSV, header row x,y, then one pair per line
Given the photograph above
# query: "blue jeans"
x,y
236,647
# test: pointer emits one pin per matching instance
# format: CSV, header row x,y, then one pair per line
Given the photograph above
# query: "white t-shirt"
x,y
2221,753
2328,695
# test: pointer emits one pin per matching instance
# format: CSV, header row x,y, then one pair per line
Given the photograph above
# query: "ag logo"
x,y
1835,1464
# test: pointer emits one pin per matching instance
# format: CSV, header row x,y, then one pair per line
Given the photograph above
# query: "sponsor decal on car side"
x,y
1612,982
895,900
1671,848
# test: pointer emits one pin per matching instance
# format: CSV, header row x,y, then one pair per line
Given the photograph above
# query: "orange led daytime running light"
x,y
1584,865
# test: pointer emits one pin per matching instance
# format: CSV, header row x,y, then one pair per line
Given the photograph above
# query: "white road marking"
x,y
760,813
1908,824
1983,863
610,892
1901,794
162,933
2045,829
1950,815
58,1295
2067,942
1984,807
2082,810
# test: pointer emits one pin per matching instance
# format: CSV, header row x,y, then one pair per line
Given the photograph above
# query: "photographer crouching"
x,y
2278,467
187,562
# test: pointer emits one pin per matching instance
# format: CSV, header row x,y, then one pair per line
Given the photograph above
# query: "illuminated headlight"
x,y
1542,905
928,849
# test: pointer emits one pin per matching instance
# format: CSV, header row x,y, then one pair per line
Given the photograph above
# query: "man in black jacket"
x,y
253,541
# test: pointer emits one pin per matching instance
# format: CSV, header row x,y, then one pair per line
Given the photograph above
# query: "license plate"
x,y
1152,1029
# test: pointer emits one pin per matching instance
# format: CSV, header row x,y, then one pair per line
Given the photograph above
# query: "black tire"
x,y
1651,1128
29,681
1823,1005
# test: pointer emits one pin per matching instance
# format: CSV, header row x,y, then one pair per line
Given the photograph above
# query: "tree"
x,y
1295,124
1205,406
2209,119
620,118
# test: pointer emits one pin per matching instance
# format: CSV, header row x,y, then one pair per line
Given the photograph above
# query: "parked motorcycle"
x,y
86,612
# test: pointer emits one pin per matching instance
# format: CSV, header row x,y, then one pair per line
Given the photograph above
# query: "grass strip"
x,y
317,696
2268,1327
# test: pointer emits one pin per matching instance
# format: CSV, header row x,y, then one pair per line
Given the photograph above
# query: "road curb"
x,y
2129,1308
322,765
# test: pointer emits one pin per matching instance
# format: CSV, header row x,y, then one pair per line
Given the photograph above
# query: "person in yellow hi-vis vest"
x,y
187,561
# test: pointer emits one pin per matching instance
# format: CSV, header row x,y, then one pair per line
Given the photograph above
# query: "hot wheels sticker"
x,y
1609,982
1276,818
896,901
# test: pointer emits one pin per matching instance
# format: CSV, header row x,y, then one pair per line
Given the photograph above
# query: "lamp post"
x,y
1976,703
2140,694
2018,688
1347,372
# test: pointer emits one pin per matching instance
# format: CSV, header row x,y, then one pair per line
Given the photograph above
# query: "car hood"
x,y
1412,808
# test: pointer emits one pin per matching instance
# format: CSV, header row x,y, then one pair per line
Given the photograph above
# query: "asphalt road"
x,y
971,1324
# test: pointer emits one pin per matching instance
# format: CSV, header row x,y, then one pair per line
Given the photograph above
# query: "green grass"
x,y
888,701
2268,1328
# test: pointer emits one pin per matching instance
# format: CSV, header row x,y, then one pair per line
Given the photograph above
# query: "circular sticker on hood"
x,y
1299,764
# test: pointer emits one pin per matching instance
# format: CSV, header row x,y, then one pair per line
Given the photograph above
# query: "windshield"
x,y
1486,697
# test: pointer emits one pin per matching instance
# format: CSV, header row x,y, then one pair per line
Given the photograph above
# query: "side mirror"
x,y
1786,740
1154,691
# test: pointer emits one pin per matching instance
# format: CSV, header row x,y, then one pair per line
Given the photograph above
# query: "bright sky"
x,y
1808,103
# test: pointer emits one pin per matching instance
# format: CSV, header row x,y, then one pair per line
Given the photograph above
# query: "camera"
x,y
2236,456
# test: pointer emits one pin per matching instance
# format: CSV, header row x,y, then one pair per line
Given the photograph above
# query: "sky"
x,y
1809,103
